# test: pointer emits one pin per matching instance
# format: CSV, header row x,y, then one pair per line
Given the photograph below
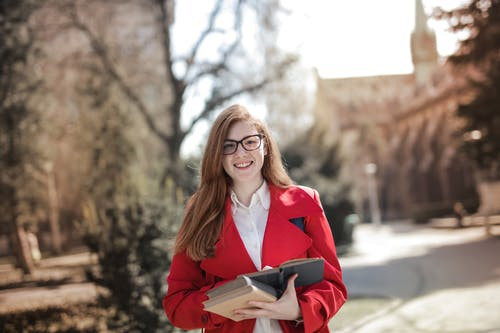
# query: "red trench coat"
x,y
189,280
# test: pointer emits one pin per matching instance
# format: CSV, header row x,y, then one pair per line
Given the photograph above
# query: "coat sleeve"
x,y
187,284
320,301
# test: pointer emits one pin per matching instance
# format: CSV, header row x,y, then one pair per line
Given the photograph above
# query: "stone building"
x,y
399,132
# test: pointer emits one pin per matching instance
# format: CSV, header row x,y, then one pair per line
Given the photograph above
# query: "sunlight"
x,y
359,38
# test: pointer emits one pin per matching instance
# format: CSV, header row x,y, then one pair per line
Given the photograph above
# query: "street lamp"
x,y
371,170
473,135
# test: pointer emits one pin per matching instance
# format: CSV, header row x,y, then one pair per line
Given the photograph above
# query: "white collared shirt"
x,y
251,224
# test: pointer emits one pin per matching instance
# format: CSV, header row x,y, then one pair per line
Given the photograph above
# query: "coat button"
x,y
204,318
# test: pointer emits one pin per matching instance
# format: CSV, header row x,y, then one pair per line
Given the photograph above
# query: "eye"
x,y
229,145
251,141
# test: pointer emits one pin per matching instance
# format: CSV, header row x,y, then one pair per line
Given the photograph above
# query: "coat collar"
x,y
262,196
282,239
294,201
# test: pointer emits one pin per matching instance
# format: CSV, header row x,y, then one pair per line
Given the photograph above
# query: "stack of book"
x,y
265,286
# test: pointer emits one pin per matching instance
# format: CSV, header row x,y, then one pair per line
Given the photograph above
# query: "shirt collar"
x,y
262,196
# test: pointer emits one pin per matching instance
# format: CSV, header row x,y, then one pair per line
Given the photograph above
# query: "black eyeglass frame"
x,y
240,142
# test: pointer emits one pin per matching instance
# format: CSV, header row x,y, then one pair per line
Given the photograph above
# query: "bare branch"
x,y
214,69
208,30
211,104
101,51
178,86
217,100
164,22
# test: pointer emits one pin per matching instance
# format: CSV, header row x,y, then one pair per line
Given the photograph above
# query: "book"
x,y
266,286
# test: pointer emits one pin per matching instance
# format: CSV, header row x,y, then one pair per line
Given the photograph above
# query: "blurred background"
x,y
390,109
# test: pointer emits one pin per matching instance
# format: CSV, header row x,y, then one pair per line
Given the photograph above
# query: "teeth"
x,y
243,165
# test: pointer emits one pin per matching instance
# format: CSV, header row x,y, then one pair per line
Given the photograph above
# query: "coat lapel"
x,y
231,257
282,239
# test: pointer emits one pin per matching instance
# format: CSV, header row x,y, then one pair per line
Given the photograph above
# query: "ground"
x,y
401,277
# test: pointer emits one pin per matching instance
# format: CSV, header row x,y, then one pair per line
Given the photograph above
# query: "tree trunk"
x,y
18,238
23,253
53,212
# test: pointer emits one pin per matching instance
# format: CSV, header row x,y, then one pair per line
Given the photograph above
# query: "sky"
x,y
338,38
359,37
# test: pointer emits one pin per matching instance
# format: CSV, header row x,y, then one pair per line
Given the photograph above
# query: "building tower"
x,y
423,46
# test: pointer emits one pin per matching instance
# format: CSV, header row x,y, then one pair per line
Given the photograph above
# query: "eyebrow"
x,y
246,136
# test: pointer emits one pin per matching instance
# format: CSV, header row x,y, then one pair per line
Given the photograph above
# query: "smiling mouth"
x,y
243,165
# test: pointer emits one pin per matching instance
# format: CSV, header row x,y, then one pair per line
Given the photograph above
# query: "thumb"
x,y
291,283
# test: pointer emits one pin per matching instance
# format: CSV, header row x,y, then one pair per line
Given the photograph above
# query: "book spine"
x,y
282,282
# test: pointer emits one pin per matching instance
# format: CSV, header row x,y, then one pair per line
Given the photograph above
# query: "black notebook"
x,y
266,285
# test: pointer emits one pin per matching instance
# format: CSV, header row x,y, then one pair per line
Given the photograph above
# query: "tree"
x,y
20,195
480,50
319,166
126,226
229,71
119,57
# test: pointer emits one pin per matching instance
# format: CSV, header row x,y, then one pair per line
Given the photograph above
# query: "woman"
x,y
239,221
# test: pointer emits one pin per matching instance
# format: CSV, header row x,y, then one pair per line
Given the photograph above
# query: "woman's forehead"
x,y
240,129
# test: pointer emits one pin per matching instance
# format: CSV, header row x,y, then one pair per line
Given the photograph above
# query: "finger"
x,y
251,313
261,305
291,283
241,314
238,317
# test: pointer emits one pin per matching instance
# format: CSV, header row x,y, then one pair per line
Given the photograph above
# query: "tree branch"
x,y
164,20
101,52
178,86
214,69
216,101
208,30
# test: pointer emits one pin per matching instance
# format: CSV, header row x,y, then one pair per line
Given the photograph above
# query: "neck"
x,y
244,191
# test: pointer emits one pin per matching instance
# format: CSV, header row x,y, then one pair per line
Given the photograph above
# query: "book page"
x,y
297,261
239,300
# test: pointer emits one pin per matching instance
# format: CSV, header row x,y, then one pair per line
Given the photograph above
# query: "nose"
x,y
240,149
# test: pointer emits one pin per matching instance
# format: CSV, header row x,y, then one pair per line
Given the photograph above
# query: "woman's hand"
x,y
285,308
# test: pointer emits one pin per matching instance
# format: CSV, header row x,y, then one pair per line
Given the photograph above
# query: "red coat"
x,y
189,280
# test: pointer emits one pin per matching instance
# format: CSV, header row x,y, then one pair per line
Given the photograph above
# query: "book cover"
x,y
224,301
266,285
309,270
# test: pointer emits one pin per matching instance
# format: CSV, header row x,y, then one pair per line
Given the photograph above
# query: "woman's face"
x,y
244,167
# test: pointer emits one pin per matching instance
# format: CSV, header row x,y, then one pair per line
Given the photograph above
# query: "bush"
x,y
319,168
130,239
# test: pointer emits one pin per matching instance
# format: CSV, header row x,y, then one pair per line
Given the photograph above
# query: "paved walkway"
x,y
56,281
422,279
30,298
401,278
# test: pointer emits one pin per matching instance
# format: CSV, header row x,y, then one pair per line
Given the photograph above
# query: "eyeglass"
x,y
249,143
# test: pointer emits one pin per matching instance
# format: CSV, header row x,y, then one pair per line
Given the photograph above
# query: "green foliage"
x,y
127,225
480,20
21,191
483,114
319,167
14,112
130,239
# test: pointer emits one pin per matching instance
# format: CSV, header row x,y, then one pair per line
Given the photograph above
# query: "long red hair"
x,y
204,215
